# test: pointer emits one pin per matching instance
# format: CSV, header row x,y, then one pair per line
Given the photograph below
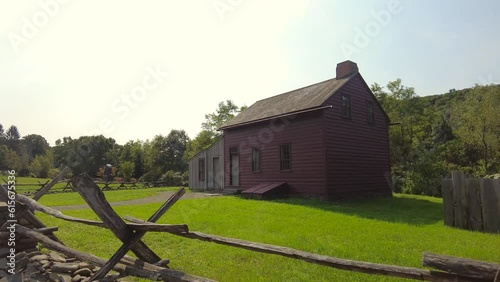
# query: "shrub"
x,y
54,172
185,178
40,167
150,176
172,178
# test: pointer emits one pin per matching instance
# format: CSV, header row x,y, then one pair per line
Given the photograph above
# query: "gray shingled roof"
x,y
309,97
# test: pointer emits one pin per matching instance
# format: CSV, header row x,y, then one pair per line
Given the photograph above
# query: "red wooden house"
x,y
329,139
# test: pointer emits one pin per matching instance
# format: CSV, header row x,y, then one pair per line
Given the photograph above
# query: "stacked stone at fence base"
x,y
34,265
49,266
22,243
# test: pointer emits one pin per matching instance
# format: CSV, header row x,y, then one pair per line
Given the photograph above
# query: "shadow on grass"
x,y
400,208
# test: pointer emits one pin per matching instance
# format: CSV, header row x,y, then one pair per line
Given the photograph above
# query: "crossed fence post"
x,y
94,197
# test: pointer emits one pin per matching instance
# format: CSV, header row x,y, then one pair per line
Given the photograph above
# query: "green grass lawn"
x,y
384,230
24,180
29,180
73,198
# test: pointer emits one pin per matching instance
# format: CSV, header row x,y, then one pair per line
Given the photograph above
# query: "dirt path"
x,y
158,198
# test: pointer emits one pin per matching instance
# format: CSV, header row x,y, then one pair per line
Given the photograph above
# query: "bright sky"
x,y
135,69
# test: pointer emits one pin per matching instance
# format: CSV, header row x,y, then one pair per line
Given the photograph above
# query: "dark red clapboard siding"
x,y
330,155
306,136
358,152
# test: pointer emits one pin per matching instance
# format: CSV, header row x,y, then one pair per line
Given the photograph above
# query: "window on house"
x,y
255,160
371,113
201,169
285,157
346,106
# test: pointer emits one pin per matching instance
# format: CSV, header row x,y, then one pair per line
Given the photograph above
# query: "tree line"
x,y
164,158
429,136
432,135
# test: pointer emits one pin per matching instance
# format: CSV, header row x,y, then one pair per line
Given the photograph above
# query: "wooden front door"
x,y
235,170
216,172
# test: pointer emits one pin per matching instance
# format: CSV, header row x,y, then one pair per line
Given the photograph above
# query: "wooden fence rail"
x,y
472,203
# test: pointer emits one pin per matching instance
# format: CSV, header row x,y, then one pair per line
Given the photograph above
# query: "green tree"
x,y
477,123
40,166
12,133
202,141
35,145
225,112
213,121
87,153
401,104
152,172
127,169
165,153
15,161
415,141
12,137
35,168
177,141
4,153
133,151
438,133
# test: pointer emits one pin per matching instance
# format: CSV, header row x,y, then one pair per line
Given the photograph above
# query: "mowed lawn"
x,y
28,180
384,230
73,198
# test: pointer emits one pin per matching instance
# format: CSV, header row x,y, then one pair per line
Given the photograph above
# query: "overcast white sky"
x,y
135,69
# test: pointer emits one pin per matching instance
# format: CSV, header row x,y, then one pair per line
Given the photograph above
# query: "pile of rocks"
x,y
22,242
33,265
51,266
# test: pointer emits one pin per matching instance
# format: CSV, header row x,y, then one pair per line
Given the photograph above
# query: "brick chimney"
x,y
346,68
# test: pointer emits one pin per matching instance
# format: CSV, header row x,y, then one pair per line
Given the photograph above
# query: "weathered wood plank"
x,y
46,230
474,200
345,264
357,266
47,187
490,197
167,205
461,266
460,200
94,197
26,214
147,226
130,266
50,211
122,251
447,191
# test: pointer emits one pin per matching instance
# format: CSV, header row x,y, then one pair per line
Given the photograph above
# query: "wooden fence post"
x,y
449,218
47,187
460,199
490,197
474,200
94,197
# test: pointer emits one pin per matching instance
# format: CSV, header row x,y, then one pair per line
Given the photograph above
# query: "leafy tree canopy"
x,y
225,112
12,133
35,145
87,153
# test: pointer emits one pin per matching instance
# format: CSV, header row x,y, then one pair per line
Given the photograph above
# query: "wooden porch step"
x,y
264,190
